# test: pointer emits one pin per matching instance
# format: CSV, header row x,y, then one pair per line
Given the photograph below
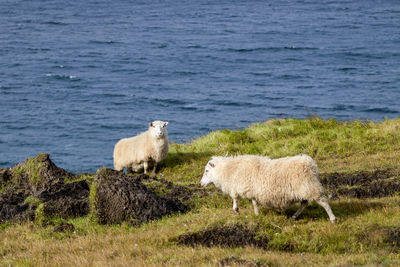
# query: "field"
x,y
359,168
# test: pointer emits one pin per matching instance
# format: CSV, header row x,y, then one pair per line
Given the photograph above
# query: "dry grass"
x,y
366,233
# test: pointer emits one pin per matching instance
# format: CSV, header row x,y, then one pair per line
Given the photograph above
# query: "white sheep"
x,y
141,151
276,183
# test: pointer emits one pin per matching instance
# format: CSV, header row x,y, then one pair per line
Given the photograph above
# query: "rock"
x,y
5,176
40,179
117,197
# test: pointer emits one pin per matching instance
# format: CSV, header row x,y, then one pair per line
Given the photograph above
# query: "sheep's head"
x,y
208,176
158,129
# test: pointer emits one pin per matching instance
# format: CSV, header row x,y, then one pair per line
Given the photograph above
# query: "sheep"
x,y
141,151
276,183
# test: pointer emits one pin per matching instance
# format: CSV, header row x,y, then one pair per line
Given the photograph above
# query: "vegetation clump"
x,y
362,184
236,235
36,188
122,198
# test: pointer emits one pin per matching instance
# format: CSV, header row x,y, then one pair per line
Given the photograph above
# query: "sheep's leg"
x,y
154,168
303,205
255,206
235,205
145,166
324,203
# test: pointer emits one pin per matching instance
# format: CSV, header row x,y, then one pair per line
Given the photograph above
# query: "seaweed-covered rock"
x,y
117,197
40,179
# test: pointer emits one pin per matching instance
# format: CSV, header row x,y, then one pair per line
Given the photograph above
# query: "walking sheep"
x,y
141,151
276,183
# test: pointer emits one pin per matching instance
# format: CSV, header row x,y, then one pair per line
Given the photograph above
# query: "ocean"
x,y
77,76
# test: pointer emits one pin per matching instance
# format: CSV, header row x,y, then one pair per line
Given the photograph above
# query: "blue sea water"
x,y
76,76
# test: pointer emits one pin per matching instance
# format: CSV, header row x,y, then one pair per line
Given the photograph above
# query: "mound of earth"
x,y
117,197
231,236
38,181
362,184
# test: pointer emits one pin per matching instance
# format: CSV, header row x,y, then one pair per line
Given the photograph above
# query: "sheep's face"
x,y
208,176
158,129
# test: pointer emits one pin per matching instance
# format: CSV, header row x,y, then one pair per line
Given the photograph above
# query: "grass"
x,y
367,233
336,146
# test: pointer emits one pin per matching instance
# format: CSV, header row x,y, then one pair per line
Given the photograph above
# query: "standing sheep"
x,y
276,183
141,151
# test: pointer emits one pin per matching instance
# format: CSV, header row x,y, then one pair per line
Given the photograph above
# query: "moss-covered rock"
x,y
117,197
39,183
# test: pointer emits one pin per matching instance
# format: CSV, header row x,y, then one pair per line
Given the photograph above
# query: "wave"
x,y
235,103
264,97
57,23
195,47
40,49
188,73
62,77
292,77
273,49
263,74
367,55
196,107
101,42
380,110
168,101
111,96
345,69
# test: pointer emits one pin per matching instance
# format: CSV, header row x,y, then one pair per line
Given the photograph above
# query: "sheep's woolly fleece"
x,y
276,183
143,150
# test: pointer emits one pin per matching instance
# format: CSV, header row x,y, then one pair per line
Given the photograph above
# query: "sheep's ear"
x,y
166,123
150,124
211,164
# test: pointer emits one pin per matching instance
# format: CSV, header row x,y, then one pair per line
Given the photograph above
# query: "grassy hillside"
x,y
355,159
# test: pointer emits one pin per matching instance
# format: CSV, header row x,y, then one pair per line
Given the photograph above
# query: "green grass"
x,y
331,143
367,232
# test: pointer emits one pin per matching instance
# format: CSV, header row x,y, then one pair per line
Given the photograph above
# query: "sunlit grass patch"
x,y
330,142
355,156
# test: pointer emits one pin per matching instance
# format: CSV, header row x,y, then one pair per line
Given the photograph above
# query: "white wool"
x,y
143,150
276,183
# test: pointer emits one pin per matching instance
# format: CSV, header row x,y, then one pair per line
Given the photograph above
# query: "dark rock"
x,y
12,207
5,176
123,198
39,178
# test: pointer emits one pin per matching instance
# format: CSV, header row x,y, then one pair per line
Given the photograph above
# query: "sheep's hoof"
x,y
334,221
293,218
236,212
